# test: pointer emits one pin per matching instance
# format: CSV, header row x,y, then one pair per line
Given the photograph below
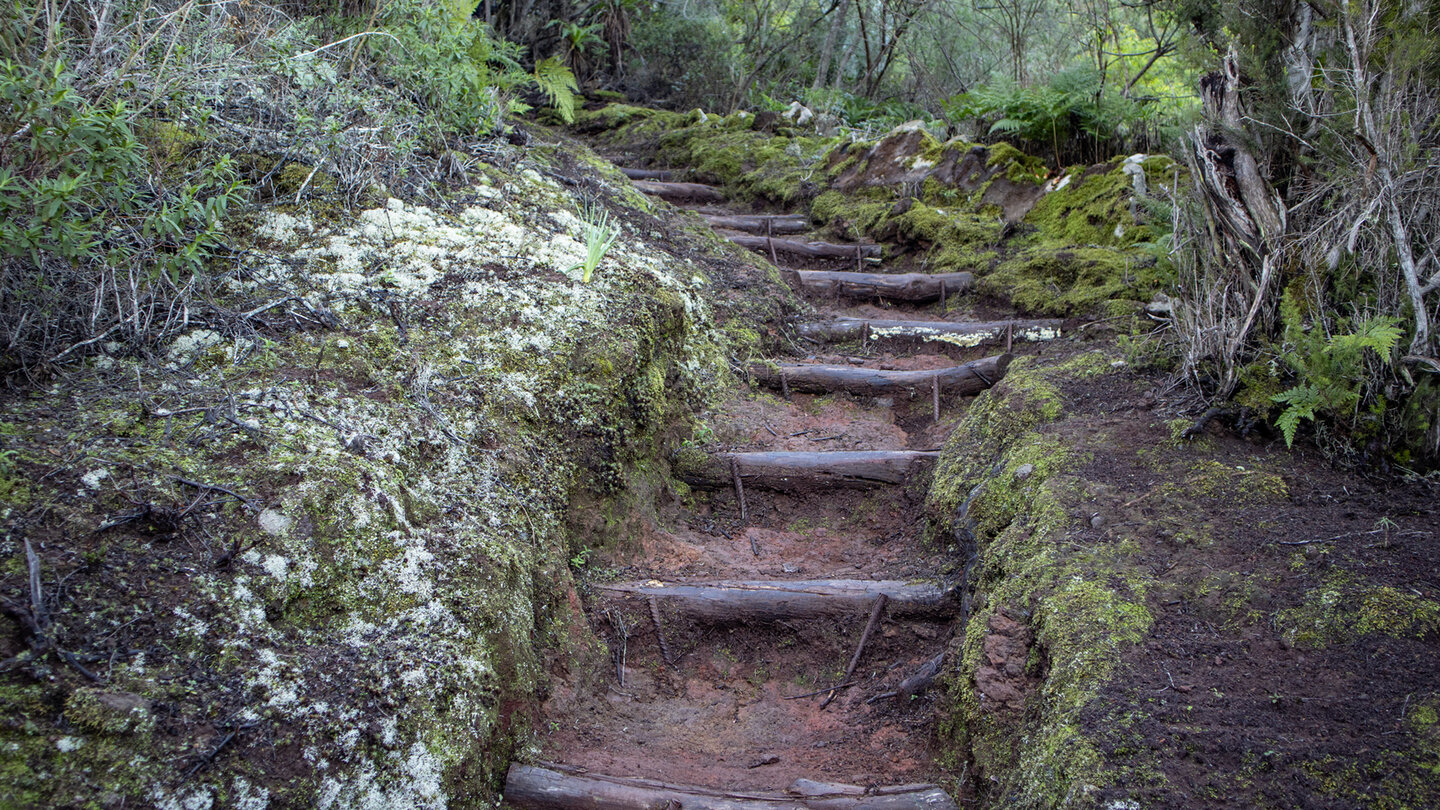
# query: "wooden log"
x,y
762,223
807,250
969,378
894,286
768,601
557,787
963,334
658,175
796,471
681,192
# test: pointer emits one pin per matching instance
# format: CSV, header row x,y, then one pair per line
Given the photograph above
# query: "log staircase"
x,y
710,704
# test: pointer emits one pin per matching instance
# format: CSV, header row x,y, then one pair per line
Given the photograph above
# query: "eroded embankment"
x,y
1155,621
314,552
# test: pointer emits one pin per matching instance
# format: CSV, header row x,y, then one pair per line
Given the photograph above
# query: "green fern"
x,y
558,84
1331,372
1301,401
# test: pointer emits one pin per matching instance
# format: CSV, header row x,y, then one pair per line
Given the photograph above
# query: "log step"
x,y
796,471
916,287
969,378
807,250
557,787
762,224
659,175
768,601
681,192
956,333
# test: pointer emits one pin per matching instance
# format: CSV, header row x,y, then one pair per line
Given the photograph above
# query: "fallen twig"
x,y
1412,533
213,488
875,613
821,691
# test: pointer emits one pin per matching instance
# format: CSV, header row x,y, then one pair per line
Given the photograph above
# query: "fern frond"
x,y
558,84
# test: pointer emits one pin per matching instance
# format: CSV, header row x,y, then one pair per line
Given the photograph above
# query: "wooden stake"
x,y
935,395
770,243
1009,336
875,612
785,385
660,630
739,489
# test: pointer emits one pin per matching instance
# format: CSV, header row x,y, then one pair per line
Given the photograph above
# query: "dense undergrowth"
x,y
133,137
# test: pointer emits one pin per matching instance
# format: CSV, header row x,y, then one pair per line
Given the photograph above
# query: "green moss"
x,y
750,165
1072,281
1005,481
852,215
1018,166
1094,208
1208,478
293,176
1342,610
107,712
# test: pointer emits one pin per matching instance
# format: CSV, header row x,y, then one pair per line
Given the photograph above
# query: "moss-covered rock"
x,y
1099,205
1069,281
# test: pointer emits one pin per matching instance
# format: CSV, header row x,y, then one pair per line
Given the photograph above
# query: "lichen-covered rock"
x,y
318,550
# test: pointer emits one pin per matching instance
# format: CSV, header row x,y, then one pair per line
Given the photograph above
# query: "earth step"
x,y
557,787
724,601
956,333
808,250
915,287
681,192
969,378
761,223
659,175
797,471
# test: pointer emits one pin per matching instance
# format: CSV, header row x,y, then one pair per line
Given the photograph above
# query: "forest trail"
x,y
777,644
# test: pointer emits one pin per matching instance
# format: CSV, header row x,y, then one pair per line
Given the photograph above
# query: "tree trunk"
x,y
970,378
730,601
827,51
914,287
557,787
1242,206
794,471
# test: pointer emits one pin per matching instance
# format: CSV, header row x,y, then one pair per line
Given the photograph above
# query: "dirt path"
x,y
744,705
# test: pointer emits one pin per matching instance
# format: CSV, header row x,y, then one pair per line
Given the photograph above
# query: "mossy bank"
x,y
1154,621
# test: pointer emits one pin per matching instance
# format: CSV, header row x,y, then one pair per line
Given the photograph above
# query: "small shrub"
x,y
90,247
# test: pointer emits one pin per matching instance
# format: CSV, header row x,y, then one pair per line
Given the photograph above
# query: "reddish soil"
x,y
729,711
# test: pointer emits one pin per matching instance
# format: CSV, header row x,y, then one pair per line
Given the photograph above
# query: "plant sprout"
x,y
600,234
